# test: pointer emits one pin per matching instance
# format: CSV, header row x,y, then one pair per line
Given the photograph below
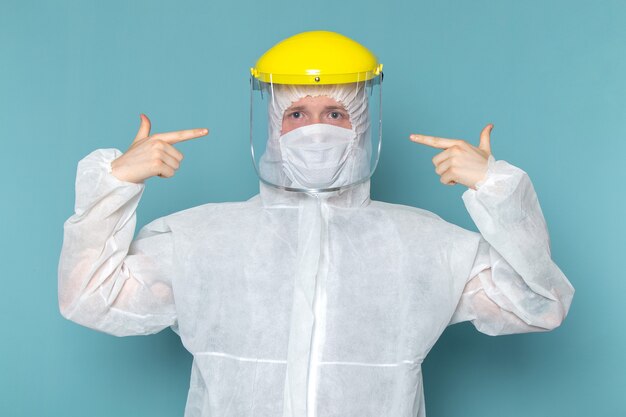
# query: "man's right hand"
x,y
151,156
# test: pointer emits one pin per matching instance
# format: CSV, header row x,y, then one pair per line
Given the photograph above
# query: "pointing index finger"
x,y
180,135
433,141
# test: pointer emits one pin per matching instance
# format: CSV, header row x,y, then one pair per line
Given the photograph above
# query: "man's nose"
x,y
315,120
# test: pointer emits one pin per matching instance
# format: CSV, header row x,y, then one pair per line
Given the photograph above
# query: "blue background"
x,y
551,75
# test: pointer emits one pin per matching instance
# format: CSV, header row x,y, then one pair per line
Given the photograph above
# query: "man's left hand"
x,y
460,162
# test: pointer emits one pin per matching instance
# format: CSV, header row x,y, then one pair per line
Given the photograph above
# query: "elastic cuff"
x,y
104,158
95,182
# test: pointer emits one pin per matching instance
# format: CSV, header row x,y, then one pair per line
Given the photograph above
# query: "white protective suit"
x,y
299,305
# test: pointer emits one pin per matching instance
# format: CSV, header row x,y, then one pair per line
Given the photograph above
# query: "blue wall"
x,y
551,75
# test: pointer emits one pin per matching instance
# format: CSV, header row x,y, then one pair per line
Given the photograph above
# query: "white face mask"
x,y
314,156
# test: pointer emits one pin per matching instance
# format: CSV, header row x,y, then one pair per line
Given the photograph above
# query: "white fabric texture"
x,y
353,97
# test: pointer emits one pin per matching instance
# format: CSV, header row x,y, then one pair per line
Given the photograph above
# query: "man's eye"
x,y
335,115
296,114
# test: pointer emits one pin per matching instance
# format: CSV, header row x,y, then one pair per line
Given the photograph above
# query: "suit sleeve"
x,y
514,285
106,280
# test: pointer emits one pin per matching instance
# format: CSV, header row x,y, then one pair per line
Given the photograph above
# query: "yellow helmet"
x,y
317,57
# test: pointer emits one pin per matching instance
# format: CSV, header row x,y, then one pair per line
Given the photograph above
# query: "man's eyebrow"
x,y
301,108
296,108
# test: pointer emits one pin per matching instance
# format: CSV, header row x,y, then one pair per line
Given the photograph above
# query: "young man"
x,y
309,299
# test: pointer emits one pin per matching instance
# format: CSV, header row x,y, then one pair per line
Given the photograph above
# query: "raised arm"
x,y
107,281
514,286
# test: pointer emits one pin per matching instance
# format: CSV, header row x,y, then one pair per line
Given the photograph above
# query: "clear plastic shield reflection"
x,y
315,138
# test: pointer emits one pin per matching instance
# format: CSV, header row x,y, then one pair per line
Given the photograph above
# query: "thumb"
x,y
485,140
144,128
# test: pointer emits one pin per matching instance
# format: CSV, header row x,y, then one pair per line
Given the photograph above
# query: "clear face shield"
x,y
315,138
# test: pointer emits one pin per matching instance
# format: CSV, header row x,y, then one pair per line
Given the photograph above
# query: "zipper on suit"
x,y
319,311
